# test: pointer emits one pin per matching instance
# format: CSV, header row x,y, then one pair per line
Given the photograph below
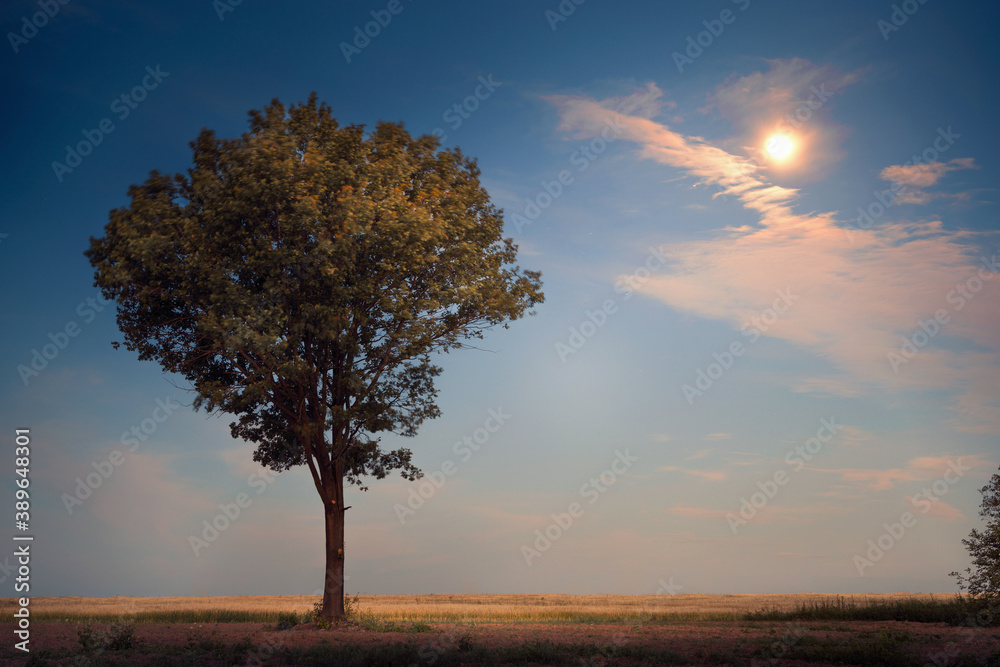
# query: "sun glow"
x,y
779,147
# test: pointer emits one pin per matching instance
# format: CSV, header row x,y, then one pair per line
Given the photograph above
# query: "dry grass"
x,y
457,608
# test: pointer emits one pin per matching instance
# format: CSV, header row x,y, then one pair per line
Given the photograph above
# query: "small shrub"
x,y
317,616
121,636
89,639
352,606
241,650
286,621
351,612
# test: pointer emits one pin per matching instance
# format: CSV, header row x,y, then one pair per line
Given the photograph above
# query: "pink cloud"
x,y
924,175
856,297
697,512
767,514
773,513
941,509
920,469
709,475
914,177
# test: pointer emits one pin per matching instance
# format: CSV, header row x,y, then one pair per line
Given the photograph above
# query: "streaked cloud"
x,y
925,175
921,469
709,475
857,298
941,510
913,178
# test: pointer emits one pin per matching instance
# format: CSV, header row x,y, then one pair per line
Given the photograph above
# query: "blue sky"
x,y
753,372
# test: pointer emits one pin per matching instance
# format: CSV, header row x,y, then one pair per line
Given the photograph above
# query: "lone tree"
x,y
301,276
983,582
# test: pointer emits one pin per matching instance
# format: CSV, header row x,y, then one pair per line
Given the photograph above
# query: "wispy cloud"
x,y
921,469
940,509
766,514
709,475
858,297
914,178
927,174
750,458
697,512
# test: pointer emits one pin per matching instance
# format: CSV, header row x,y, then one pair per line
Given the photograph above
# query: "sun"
x,y
779,147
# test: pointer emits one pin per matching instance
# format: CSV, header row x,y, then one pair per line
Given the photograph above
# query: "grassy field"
x,y
603,630
461,608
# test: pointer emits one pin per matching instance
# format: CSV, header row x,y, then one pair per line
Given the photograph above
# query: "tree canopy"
x,y
982,580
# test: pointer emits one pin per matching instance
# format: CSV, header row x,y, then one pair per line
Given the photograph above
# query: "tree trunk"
x,y
333,585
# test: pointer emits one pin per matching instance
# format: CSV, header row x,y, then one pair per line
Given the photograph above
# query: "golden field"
x,y
472,608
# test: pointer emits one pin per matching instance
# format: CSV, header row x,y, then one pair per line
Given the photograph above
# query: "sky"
x,y
767,357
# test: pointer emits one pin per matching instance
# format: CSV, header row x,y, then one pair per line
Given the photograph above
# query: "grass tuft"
x,y
951,611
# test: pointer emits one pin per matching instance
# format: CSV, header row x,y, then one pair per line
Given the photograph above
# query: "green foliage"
x,y
374,623
982,580
352,606
316,616
185,616
287,621
351,612
199,648
370,622
301,275
119,636
89,639
919,611
886,649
